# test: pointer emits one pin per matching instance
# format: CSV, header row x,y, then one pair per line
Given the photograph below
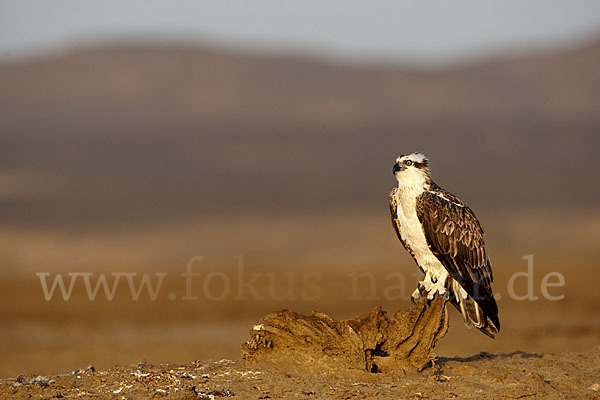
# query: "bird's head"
x,y
412,170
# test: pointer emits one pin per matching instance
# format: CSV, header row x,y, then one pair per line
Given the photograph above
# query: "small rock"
x,y
186,375
41,381
140,374
221,393
595,387
89,368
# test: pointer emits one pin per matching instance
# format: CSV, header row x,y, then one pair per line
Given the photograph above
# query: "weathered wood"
x,y
373,342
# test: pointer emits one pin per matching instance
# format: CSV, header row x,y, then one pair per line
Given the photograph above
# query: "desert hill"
x,y
138,133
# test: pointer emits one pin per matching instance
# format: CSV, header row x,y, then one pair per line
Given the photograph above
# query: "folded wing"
x,y
455,237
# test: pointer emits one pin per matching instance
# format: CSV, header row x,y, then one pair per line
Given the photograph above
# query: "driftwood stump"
x,y
373,342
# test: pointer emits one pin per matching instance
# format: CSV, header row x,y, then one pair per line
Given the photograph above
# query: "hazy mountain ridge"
x,y
138,133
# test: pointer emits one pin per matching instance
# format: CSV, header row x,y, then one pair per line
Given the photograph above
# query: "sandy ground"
x,y
39,337
514,375
47,338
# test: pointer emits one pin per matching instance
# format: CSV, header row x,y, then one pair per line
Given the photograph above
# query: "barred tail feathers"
x,y
473,314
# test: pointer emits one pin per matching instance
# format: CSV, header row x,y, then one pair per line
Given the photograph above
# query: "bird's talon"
x,y
415,296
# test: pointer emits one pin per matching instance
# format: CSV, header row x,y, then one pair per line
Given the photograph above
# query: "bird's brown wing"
x,y
455,237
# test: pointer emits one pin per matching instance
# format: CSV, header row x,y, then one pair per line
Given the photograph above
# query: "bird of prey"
x,y
445,239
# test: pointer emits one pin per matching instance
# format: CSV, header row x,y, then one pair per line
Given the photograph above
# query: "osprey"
x,y
445,239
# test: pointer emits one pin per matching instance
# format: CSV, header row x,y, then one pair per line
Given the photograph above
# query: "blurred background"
x,y
136,135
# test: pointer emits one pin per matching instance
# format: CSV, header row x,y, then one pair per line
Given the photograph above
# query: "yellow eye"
x,y
408,163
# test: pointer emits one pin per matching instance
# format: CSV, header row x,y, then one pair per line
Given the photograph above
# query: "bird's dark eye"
x,y
408,163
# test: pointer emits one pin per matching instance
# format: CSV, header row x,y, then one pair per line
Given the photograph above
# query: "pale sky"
x,y
417,31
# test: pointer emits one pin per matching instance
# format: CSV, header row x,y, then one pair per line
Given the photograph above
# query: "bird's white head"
x,y
412,171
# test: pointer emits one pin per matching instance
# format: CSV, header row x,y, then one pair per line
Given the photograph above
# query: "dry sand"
x,y
514,375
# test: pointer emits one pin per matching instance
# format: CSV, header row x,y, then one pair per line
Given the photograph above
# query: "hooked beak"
x,y
396,168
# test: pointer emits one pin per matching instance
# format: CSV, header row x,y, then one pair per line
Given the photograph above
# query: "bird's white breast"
x,y
412,231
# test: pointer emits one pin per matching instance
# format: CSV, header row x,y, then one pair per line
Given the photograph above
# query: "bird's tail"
x,y
473,313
